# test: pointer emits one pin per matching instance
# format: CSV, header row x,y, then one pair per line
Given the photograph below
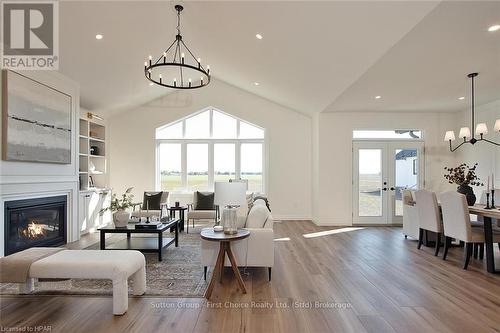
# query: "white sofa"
x,y
257,250
410,215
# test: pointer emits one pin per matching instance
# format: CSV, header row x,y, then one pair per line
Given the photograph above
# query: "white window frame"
x,y
210,142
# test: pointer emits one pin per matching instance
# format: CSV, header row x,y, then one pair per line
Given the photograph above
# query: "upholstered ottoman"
x,y
116,265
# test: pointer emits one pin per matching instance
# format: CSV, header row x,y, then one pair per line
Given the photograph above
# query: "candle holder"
x,y
487,201
493,199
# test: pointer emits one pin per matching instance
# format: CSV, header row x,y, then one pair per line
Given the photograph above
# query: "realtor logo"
x,y
30,35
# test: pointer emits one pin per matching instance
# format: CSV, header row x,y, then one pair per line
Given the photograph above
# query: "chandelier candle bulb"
x,y
497,125
150,59
449,136
464,133
190,83
208,69
182,58
175,82
481,129
201,79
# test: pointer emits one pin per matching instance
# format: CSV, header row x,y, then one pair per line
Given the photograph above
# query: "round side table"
x,y
224,247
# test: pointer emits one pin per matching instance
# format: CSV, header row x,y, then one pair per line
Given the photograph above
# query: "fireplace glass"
x,y
35,222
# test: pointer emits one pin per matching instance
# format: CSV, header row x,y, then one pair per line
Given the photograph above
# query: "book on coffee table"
x,y
150,225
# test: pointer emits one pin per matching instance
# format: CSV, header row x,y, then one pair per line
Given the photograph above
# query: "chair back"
x,y
428,211
456,218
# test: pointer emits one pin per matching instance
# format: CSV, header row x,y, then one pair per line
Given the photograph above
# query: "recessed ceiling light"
x,y
378,97
494,28
256,83
461,98
98,36
258,36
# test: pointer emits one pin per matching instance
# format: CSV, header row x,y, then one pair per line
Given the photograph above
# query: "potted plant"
x,y
465,177
119,207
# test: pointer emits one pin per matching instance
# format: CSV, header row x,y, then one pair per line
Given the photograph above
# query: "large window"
x,y
207,147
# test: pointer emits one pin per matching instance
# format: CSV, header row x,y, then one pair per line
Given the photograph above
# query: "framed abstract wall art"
x,y
36,121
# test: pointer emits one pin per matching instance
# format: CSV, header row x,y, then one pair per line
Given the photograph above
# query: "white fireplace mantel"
x,y
27,180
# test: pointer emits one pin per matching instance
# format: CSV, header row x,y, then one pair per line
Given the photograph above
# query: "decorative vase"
x,y
121,218
229,219
469,194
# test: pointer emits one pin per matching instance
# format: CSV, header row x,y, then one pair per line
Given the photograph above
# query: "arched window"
x,y
209,146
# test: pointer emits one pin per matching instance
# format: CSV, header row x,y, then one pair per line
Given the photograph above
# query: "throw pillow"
x,y
204,200
257,217
151,200
250,201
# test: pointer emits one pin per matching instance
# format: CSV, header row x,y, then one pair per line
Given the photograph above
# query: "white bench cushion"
x,y
88,264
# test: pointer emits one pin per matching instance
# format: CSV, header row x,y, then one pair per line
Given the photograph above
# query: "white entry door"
x,y
381,171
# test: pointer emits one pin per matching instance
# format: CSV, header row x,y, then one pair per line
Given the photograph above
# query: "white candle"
x,y
488,185
492,181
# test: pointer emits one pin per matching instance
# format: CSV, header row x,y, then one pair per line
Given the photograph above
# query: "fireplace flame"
x,y
33,231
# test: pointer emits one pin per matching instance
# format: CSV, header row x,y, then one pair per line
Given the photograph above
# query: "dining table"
x,y
488,215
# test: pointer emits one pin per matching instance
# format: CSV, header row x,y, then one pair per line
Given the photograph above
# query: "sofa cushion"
x,y
204,200
201,214
257,217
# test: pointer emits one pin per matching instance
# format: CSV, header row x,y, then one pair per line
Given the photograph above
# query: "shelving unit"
x,y
92,155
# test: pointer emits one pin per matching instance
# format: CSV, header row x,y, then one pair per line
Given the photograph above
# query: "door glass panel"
x,y
170,166
406,173
224,162
370,182
197,166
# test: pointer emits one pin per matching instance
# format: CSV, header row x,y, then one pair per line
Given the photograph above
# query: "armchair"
x,y
207,211
150,206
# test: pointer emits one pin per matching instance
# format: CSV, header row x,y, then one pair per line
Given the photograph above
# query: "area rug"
x,y
179,274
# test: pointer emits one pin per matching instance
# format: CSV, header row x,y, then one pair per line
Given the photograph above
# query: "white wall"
x,y
333,159
487,155
288,147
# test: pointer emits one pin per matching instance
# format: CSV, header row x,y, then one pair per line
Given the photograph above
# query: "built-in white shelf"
x,y
92,137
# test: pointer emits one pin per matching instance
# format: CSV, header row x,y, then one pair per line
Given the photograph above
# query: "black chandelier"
x,y
175,68
465,132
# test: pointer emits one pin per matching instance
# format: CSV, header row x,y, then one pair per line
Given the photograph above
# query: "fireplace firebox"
x,y
35,222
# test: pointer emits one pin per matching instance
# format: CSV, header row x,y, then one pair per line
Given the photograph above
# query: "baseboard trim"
x,y
291,218
332,222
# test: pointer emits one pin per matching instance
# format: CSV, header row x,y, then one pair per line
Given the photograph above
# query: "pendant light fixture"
x,y
465,132
177,67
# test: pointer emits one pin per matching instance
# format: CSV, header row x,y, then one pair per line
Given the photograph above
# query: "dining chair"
x,y
429,218
456,223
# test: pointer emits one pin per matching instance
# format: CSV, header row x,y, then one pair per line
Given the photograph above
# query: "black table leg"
x,y
177,234
172,215
181,215
103,240
488,242
160,245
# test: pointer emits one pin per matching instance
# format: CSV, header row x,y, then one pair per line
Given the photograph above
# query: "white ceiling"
x,y
427,70
315,56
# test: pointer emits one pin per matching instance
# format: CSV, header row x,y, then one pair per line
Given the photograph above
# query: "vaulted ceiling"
x,y
314,56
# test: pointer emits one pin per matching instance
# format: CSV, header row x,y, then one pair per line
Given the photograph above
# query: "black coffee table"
x,y
143,244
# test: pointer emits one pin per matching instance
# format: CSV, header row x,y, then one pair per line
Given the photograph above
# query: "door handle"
x,y
384,189
392,188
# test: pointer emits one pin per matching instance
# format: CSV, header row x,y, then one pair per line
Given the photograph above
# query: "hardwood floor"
x,y
378,281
